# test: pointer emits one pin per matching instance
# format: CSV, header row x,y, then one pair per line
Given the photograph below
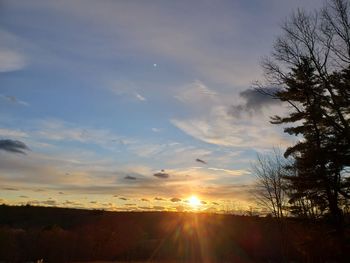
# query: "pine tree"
x,y
320,153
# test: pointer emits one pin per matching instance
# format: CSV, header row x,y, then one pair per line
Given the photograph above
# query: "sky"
x,y
136,105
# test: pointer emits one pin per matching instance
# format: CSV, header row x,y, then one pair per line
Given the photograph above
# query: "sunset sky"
x,y
135,104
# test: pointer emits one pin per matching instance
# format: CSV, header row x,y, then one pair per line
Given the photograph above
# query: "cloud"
x,y
123,198
49,202
215,203
203,202
125,90
255,101
11,60
73,203
159,199
161,175
230,171
10,189
129,177
4,132
175,200
45,202
157,207
39,190
196,93
13,100
13,146
201,161
180,208
221,128
211,118
145,208
144,200
140,97
180,38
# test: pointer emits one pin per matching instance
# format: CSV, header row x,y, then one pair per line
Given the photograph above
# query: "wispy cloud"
x,y
12,57
140,97
13,100
11,60
213,121
230,171
13,133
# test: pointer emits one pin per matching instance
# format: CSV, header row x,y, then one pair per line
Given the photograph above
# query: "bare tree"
x,y
270,193
323,37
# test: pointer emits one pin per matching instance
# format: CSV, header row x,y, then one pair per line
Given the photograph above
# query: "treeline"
x,y
309,71
67,235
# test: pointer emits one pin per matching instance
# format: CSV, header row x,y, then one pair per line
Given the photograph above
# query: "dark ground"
x,y
30,233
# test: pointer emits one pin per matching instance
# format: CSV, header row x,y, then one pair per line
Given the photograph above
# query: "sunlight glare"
x,y
194,201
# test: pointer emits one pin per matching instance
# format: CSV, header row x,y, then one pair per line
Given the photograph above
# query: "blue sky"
x,y
106,94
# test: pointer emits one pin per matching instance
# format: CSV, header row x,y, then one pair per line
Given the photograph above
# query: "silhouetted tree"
x,y
310,64
269,171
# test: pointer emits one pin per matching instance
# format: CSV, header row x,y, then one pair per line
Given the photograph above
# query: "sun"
x,y
194,201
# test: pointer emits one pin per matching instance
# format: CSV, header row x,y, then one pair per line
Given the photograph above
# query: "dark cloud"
x,y
203,202
159,199
123,198
93,202
175,199
214,203
162,175
144,200
201,161
13,146
60,193
255,101
129,177
129,204
23,196
10,189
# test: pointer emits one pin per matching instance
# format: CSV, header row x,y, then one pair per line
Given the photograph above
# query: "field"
x,y
60,235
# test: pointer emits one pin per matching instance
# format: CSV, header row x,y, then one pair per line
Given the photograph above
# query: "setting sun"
x,y
194,201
